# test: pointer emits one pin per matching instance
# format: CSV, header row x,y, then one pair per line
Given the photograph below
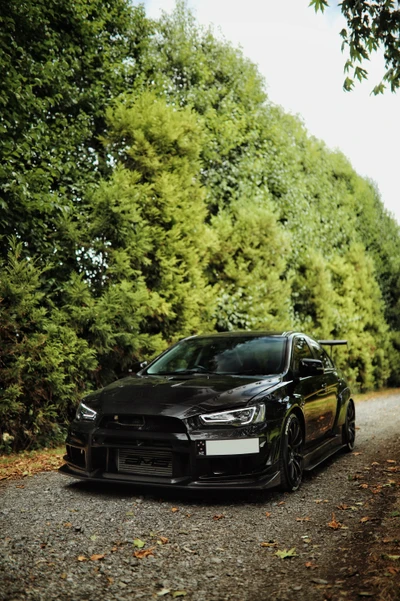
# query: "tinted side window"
x,y
321,354
301,350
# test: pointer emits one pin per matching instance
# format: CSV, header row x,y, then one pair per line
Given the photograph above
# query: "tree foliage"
x,y
370,25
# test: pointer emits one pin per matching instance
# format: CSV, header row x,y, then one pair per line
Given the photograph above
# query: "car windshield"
x,y
233,355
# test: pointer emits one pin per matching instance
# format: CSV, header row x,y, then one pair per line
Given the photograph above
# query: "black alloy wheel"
x,y
291,456
349,428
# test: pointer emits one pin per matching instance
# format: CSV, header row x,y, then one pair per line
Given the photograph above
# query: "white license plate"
x,y
240,446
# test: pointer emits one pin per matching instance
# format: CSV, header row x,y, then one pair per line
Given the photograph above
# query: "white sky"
x,y
298,52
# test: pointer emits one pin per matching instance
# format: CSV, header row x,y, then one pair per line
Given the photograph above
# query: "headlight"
x,y
85,412
236,417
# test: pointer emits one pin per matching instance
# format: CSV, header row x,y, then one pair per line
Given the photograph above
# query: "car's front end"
x,y
181,446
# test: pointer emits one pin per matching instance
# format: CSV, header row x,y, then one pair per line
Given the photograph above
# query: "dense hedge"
x,y
150,190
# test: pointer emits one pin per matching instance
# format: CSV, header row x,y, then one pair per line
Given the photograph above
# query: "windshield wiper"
x,y
193,370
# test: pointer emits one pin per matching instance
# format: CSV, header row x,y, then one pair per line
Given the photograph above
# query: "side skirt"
x,y
319,454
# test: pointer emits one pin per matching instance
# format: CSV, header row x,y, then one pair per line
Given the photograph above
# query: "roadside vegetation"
x,y
150,190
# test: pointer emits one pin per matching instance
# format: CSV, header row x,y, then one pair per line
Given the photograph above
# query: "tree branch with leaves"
x,y
370,26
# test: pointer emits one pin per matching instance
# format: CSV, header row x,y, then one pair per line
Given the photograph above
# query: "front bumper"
x,y
212,459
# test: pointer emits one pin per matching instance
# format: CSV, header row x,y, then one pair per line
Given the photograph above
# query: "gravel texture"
x,y
64,539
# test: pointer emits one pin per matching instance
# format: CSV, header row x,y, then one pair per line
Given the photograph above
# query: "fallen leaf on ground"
x,y
163,540
306,519
390,461
392,570
97,556
285,554
110,579
144,553
268,514
393,557
179,594
218,517
270,544
334,524
311,565
281,502
82,558
67,525
365,519
163,591
28,463
139,543
174,509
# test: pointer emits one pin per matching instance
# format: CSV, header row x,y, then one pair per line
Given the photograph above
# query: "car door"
x,y
330,383
313,393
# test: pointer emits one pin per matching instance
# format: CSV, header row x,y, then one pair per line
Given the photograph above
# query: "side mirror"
x,y
311,367
137,366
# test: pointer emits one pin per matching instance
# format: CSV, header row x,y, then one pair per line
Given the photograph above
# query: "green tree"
x,y
43,363
148,227
60,64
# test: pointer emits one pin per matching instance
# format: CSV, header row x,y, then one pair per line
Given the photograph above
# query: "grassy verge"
x,y
375,394
28,463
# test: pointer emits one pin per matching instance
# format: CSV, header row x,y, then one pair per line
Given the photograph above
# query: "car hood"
x,y
183,396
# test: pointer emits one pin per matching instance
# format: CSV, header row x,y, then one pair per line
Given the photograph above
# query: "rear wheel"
x,y
291,456
349,428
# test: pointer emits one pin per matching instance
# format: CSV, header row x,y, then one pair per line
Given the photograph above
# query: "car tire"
x,y
349,428
291,454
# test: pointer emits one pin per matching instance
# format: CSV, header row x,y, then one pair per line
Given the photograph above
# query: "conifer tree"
x,y
148,228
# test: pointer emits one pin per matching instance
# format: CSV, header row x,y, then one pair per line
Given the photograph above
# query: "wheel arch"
x,y
298,412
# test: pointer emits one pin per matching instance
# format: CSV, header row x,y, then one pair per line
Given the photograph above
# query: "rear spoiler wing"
x,y
332,343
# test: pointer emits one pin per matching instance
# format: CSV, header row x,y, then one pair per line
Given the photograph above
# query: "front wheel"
x,y
349,428
291,455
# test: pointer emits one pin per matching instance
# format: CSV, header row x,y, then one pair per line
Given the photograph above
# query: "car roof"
x,y
243,334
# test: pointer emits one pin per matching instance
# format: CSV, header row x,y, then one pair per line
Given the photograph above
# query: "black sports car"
x,y
232,410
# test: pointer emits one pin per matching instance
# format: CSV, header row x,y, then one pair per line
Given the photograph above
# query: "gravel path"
x,y
64,539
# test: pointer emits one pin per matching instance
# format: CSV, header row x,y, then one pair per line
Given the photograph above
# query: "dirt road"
x,y
62,539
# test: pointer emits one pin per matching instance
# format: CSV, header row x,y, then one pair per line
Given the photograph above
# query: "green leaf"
x,y
348,84
138,543
319,5
179,594
285,554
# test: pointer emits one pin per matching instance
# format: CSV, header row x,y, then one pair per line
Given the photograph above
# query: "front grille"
x,y
144,423
151,462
